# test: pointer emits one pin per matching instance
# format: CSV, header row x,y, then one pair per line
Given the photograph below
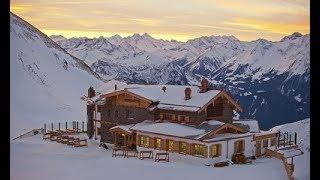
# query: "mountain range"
x,y
269,78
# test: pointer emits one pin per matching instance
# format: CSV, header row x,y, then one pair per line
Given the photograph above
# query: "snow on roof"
x,y
253,125
174,94
224,136
215,122
123,127
168,128
177,107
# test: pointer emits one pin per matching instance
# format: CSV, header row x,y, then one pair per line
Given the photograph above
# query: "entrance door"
x,y
258,148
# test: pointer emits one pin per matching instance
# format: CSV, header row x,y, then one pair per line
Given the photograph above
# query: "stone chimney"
x,y
204,85
91,92
164,89
187,93
115,87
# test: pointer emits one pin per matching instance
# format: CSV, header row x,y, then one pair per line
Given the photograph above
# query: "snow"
x,y
168,128
46,82
124,127
215,122
302,163
226,136
288,153
177,108
298,98
253,124
174,94
172,98
33,158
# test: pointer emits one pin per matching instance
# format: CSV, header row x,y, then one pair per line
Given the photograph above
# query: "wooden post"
x,y
290,139
66,125
82,126
77,126
295,138
45,127
59,126
52,126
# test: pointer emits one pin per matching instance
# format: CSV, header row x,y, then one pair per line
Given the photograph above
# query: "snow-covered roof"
x,y
174,94
167,128
224,136
172,99
251,125
123,127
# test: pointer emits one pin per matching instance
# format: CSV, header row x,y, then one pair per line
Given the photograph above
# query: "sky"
x,y
167,19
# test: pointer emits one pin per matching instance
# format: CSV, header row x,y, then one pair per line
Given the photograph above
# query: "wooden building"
x,y
196,121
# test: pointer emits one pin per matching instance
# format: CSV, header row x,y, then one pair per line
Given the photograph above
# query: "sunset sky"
x,y
167,19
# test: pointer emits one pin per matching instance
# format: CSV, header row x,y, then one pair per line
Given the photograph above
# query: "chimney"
x,y
91,92
187,93
115,87
164,89
204,85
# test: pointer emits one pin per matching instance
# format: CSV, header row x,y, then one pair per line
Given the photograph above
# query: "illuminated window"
x,y
265,143
239,146
183,148
170,145
158,143
200,150
144,141
215,150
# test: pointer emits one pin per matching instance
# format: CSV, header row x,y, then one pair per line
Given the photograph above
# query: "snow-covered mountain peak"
x,y
293,36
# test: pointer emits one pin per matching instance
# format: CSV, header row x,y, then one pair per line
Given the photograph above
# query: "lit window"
x,y
170,145
183,147
215,150
144,141
158,143
199,150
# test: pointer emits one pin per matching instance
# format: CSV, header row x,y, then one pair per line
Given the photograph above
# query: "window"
x,y
116,113
200,150
239,146
183,148
144,141
171,145
265,143
273,141
128,113
216,150
182,118
157,143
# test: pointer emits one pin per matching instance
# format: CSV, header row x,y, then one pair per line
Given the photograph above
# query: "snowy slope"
x,y
302,163
46,82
